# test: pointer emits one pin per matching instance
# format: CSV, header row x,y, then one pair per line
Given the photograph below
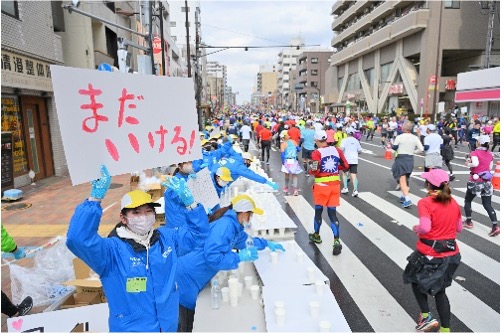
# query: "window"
x,y
340,82
452,4
369,74
173,24
314,60
314,84
174,38
110,5
10,8
314,72
385,70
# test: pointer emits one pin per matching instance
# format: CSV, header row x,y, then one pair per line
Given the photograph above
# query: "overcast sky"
x,y
252,23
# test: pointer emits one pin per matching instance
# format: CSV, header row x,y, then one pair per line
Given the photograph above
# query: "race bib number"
x,y
136,285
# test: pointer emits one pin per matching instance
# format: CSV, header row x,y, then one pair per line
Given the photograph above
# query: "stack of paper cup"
x,y
279,305
325,326
240,288
254,292
274,257
241,268
280,316
225,294
311,274
248,281
314,308
233,291
281,231
319,287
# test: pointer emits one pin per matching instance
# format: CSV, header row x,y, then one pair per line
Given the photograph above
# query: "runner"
x,y
384,126
351,148
370,125
447,152
245,133
308,144
432,147
290,163
496,134
265,141
327,161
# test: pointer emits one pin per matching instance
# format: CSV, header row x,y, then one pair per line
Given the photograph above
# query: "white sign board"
x,y
127,122
203,189
441,106
215,132
93,318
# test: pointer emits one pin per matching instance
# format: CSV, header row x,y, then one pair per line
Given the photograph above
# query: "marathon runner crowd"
x,y
175,262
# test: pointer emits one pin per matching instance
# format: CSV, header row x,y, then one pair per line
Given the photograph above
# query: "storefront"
x,y
479,91
27,95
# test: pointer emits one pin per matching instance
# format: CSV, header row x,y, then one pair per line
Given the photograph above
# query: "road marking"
x,y
367,292
463,303
495,198
471,257
110,206
478,230
367,151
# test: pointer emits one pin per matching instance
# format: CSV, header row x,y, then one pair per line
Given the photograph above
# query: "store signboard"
x,y
12,122
25,72
7,163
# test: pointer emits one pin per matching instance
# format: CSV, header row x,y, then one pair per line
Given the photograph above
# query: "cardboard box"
x,y
83,282
81,299
155,190
160,220
134,182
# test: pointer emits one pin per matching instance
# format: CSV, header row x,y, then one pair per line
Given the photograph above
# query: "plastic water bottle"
x,y
215,294
248,229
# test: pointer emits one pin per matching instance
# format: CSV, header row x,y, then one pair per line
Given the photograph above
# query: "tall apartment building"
x,y
266,85
404,54
216,75
310,72
30,45
285,61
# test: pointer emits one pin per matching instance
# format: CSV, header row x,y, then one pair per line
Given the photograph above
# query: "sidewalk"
x,y
53,201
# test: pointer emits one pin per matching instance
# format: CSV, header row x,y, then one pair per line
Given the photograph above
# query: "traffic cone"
x,y
496,177
388,153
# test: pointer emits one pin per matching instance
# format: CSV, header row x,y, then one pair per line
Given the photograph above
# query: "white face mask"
x,y
141,224
222,183
219,141
186,168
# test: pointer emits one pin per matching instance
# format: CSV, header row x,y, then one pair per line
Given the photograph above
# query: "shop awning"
x,y
477,95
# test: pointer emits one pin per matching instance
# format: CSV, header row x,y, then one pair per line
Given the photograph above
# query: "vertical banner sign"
x,y
7,161
124,121
12,122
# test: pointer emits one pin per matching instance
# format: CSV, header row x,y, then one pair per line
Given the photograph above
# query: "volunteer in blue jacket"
x,y
198,267
238,168
211,155
174,207
136,263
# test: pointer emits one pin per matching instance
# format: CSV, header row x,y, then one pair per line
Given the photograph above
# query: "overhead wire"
x,y
232,31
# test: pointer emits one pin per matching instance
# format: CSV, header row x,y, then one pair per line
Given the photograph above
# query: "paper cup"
x,y
254,292
236,191
248,281
325,326
241,268
311,273
274,257
281,231
314,308
299,257
240,288
225,294
319,287
280,316
233,300
279,305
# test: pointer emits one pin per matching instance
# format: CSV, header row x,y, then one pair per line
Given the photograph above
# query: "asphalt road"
x,y
366,278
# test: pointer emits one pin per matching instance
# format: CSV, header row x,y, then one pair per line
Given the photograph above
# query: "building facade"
x,y
310,84
400,55
30,45
285,62
266,86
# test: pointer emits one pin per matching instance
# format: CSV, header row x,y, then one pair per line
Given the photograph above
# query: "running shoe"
x,y
452,177
315,237
286,190
296,192
406,204
468,224
25,306
426,324
495,231
336,247
398,187
355,193
344,191
402,199
267,163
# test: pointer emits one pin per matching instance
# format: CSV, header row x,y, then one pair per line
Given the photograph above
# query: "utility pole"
x,y
149,20
187,40
161,19
489,42
438,49
198,75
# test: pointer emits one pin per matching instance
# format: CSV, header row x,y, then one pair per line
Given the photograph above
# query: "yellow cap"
x,y
204,141
234,136
224,174
208,127
137,198
244,203
247,156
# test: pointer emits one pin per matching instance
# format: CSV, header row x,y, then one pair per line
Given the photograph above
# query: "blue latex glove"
x,y
230,139
275,246
179,186
204,165
248,254
20,253
272,185
101,186
193,176
166,184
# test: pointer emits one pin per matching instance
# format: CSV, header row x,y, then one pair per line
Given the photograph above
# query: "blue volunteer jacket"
x,y
174,208
198,267
211,157
238,168
141,297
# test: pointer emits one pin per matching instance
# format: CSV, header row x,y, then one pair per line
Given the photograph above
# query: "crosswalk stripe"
x,y
495,198
463,303
368,293
476,207
471,257
479,229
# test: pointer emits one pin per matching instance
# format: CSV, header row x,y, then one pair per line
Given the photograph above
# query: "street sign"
x,y
156,45
105,67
